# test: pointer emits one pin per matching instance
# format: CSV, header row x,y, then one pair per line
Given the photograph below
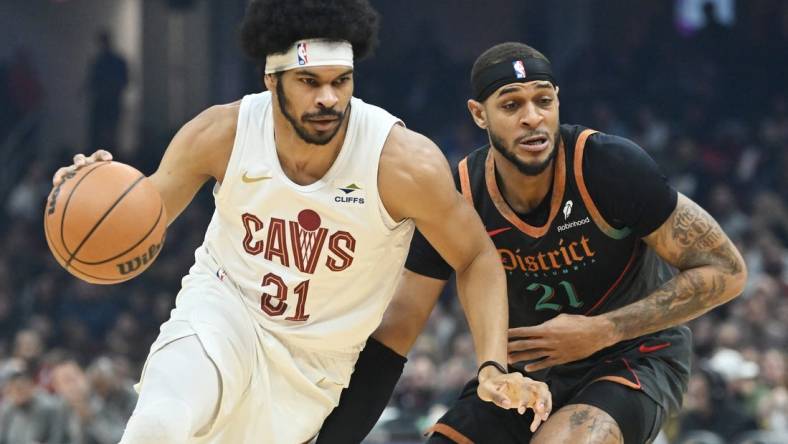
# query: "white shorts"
x,y
271,392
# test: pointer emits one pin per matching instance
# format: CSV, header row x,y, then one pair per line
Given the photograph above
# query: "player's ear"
x,y
478,113
270,81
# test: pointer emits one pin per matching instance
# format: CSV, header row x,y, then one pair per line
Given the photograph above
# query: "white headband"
x,y
312,52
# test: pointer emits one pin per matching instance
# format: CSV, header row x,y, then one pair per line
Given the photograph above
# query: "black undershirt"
x,y
624,182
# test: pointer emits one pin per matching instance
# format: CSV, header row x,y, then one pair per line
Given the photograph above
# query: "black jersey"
x,y
581,250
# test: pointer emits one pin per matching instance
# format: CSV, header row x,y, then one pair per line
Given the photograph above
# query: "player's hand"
x,y
80,160
565,338
515,391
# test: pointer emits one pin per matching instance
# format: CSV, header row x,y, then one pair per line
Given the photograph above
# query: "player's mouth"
x,y
323,124
534,144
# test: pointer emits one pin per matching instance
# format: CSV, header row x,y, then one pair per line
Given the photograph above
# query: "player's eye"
x,y
340,81
309,81
545,101
509,106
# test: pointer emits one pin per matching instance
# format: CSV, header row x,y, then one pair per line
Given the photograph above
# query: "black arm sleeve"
x,y
425,260
377,371
626,184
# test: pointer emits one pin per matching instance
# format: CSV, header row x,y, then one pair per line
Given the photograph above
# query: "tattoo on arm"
x,y
710,273
701,241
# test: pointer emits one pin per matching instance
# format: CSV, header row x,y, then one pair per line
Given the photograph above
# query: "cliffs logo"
x,y
348,198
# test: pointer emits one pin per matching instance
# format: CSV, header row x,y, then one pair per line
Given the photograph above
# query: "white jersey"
x,y
316,264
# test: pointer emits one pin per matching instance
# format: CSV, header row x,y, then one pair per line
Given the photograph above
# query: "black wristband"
x,y
500,368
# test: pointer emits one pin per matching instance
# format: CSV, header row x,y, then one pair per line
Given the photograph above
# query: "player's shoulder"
x,y
605,153
408,153
610,147
214,128
206,141
216,122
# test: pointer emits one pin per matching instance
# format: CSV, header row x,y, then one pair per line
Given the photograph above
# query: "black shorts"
x,y
472,420
636,383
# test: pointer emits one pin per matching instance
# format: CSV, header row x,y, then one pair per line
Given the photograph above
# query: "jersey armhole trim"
x,y
235,154
610,231
385,217
465,180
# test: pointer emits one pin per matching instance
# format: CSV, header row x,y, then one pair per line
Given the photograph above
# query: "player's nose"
x,y
531,116
327,97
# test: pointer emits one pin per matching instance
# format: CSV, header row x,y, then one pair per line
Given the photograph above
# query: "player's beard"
x,y
529,169
313,139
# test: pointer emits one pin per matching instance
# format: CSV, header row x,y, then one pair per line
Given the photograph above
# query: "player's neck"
x,y
522,192
302,162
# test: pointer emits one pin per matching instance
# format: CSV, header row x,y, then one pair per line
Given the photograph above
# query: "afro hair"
x,y
272,26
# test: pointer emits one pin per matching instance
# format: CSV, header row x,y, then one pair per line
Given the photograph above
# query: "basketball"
x,y
105,223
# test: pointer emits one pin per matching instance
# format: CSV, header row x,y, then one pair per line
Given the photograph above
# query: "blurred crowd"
x,y
711,106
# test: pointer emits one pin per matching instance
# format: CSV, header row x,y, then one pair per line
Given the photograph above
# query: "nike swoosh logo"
x,y
652,348
498,231
247,179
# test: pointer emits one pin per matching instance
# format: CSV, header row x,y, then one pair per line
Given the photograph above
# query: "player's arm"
x,y
416,183
380,364
408,311
639,197
200,150
711,272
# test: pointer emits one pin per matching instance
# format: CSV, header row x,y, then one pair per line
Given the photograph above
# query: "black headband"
x,y
502,73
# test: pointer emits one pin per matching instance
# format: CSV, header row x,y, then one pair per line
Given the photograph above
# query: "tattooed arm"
x,y
712,272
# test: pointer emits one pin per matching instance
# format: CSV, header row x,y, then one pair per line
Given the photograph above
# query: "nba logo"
x,y
519,69
301,52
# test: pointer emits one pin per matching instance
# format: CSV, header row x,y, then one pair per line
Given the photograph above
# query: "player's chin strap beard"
x,y
305,54
525,168
296,125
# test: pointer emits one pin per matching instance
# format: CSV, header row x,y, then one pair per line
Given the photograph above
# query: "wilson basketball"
x,y
105,223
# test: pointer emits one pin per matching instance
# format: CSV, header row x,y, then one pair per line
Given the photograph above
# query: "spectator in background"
x,y
28,349
708,406
98,402
28,414
675,78
773,404
107,79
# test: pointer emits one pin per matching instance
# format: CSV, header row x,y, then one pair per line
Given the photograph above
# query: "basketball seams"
x,y
101,219
152,228
68,200
73,268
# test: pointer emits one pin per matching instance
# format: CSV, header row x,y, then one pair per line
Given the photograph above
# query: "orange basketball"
x,y
105,223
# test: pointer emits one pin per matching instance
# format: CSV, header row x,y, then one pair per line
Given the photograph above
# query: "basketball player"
x,y
585,225
317,196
